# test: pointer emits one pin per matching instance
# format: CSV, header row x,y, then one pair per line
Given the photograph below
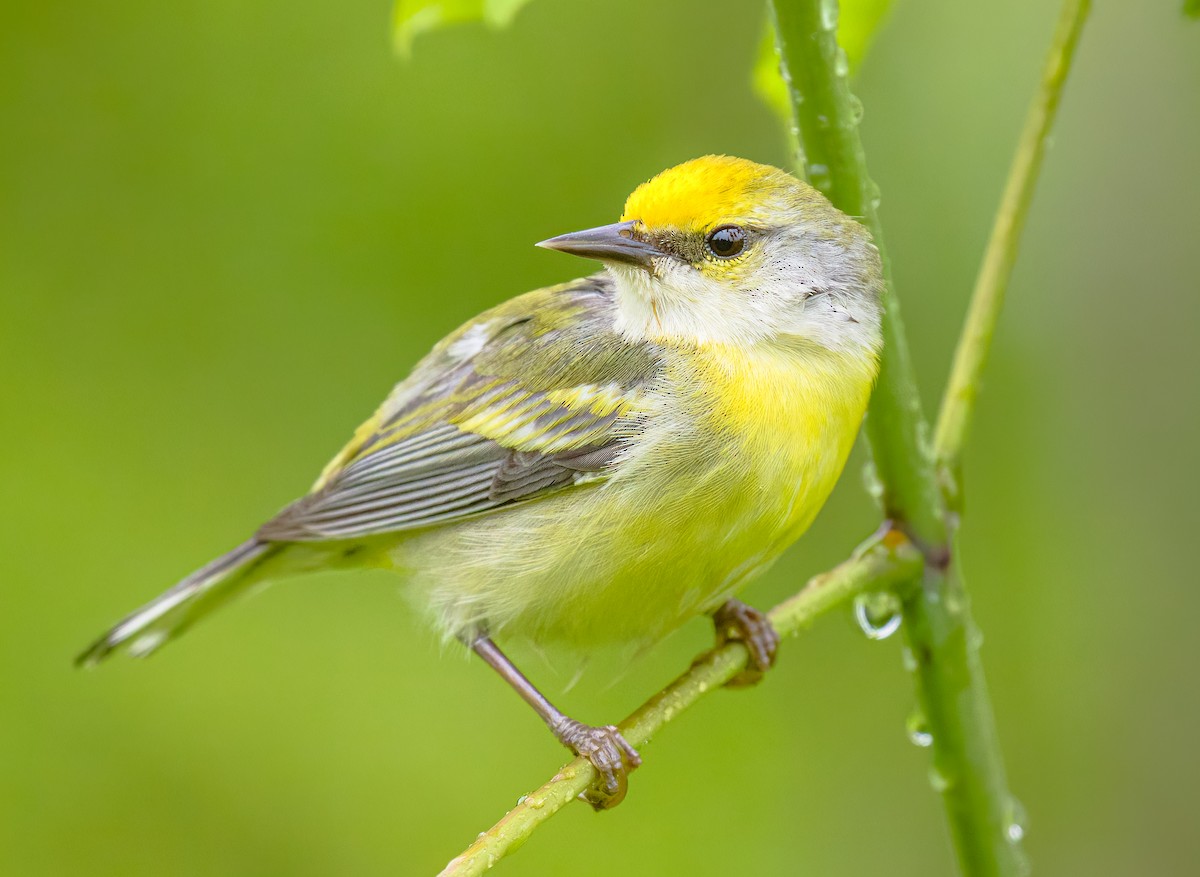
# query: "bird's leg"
x,y
737,621
603,746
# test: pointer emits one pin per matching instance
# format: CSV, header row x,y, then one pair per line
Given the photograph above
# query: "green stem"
x,y
827,116
887,564
968,767
974,344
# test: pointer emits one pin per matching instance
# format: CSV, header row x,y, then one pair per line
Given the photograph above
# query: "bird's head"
x,y
721,249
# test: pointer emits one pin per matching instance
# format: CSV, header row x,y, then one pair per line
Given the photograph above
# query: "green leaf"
x,y
1191,8
857,23
411,18
857,26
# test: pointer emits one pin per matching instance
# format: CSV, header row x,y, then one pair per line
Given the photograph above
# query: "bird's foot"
x,y
609,753
737,621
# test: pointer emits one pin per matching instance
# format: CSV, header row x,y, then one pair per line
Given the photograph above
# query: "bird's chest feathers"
x,y
785,417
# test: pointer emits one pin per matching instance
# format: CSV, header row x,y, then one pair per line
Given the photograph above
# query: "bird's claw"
x,y
737,621
610,754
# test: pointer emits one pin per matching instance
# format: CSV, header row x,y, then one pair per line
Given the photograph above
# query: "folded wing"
x,y
534,396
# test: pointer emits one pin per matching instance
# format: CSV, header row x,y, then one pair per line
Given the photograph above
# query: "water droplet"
x,y
819,177
877,614
537,802
924,439
822,122
954,601
841,64
874,196
521,800
939,780
908,659
975,638
918,729
856,109
872,483
1015,819
829,14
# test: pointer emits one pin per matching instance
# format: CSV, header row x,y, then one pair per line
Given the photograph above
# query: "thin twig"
x,y
883,564
975,342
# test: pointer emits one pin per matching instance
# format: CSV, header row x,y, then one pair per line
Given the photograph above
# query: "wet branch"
x,y
967,769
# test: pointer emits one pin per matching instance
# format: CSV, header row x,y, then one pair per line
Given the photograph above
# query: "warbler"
x,y
603,460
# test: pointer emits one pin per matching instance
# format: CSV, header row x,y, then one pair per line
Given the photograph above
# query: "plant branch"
x,y
827,116
968,768
974,344
886,563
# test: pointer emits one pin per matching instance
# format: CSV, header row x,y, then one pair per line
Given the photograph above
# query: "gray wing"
x,y
524,400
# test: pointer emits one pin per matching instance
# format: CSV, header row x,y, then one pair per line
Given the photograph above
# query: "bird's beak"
x,y
608,243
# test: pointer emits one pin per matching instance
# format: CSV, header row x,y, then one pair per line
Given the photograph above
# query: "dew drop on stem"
x,y
1014,821
829,14
872,483
877,614
918,729
841,64
856,109
939,780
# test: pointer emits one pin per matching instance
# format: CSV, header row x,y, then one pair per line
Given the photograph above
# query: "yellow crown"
x,y
707,192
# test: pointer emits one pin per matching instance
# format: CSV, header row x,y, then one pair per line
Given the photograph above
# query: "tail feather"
x,y
144,630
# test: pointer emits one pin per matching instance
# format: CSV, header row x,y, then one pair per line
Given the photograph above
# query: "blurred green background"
x,y
227,227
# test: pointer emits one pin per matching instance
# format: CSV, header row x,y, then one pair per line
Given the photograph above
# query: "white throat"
x,y
678,304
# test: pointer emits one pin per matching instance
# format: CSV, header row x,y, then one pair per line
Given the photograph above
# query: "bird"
x,y
600,461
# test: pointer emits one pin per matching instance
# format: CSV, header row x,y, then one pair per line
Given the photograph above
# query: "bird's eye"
x,y
727,241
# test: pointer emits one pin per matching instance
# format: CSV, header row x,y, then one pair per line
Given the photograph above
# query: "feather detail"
x,y
531,397
147,628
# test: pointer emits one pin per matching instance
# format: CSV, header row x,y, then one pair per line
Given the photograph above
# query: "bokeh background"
x,y
227,227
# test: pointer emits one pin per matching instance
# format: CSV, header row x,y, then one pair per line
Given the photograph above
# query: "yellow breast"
x,y
742,449
791,411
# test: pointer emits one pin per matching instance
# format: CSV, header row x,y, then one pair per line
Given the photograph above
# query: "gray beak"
x,y
608,243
